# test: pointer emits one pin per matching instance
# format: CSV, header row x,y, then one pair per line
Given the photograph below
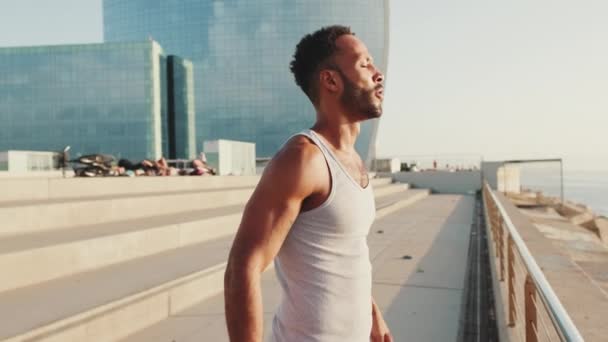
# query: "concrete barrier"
x,y
601,223
460,182
26,189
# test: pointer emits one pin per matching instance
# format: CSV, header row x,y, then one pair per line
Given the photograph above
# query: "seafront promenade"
x,y
419,256
142,259
573,262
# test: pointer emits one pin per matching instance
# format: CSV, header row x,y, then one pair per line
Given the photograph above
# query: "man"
x,y
313,209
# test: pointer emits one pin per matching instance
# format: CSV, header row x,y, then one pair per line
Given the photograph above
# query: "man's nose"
x,y
378,77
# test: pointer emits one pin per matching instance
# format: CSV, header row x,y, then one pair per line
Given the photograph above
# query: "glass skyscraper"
x,y
241,52
97,98
180,101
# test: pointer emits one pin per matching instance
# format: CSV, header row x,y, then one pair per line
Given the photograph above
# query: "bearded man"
x,y
313,208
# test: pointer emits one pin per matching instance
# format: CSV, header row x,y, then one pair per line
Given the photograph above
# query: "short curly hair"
x,y
312,52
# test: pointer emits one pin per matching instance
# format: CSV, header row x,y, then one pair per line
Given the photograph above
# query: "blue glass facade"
x,y
98,98
241,52
180,80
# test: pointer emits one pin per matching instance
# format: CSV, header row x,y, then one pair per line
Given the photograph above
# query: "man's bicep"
x,y
270,213
264,227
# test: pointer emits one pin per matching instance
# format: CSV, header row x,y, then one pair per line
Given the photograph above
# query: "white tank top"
x,y
324,266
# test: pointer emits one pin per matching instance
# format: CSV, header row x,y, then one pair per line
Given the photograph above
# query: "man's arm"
x,y
380,331
291,177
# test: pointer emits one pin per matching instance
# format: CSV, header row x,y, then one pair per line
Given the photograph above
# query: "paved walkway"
x,y
582,245
421,297
419,255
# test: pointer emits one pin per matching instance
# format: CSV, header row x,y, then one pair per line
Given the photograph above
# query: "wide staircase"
x,y
115,259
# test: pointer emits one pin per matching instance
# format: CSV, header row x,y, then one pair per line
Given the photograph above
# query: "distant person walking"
x,y
312,210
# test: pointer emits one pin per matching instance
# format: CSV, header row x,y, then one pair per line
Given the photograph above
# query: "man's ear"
x,y
328,79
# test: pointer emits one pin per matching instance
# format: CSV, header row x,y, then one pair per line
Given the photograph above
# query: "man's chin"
x,y
374,113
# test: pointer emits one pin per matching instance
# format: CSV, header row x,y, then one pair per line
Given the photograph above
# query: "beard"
x,y
359,100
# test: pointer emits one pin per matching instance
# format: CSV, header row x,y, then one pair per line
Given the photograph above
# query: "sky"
x,y
466,79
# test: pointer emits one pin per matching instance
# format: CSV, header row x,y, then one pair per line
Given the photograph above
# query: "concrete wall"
x,y
502,177
490,172
231,157
460,182
509,179
35,174
387,165
27,161
3,161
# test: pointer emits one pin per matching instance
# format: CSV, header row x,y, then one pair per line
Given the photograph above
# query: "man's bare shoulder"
x,y
299,152
297,166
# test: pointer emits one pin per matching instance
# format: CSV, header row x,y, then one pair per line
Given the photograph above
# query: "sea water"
x,y
585,187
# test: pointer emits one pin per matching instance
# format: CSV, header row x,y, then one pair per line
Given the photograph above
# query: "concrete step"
x,y
69,250
390,198
390,188
120,198
90,305
60,253
205,320
30,189
390,203
381,181
36,216
38,189
114,301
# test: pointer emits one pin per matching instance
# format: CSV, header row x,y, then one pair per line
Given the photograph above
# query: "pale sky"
x,y
494,79
504,79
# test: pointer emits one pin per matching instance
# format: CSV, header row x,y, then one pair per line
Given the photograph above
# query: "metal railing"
x,y
533,310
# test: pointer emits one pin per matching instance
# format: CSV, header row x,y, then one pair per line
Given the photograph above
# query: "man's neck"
x,y
339,133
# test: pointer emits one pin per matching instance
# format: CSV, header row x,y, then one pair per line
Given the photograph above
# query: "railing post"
x,y
495,222
491,215
501,246
511,279
530,296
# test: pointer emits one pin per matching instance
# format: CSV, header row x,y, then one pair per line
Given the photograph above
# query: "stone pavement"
x,y
419,255
421,297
